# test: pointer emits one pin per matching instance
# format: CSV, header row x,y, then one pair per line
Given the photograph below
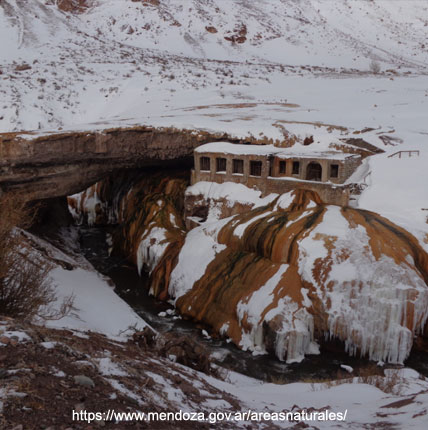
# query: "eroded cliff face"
x,y
284,274
148,209
48,165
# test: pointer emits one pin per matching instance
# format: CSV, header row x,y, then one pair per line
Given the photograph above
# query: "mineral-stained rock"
x,y
279,276
149,210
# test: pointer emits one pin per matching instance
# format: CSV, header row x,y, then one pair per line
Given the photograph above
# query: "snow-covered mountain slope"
x,y
270,67
313,32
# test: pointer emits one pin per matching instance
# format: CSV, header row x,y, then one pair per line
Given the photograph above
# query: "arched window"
x,y
314,172
255,168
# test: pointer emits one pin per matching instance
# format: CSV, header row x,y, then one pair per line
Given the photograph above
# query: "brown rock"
x,y
5,340
188,389
145,338
33,164
22,67
186,351
74,6
248,263
308,140
239,35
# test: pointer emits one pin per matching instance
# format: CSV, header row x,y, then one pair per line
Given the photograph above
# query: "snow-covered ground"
x,y
397,188
97,307
303,68
398,399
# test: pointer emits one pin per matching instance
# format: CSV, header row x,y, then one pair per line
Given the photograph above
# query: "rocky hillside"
x,y
310,32
46,374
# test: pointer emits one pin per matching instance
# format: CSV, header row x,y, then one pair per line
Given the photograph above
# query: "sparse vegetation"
x,y
388,381
26,290
375,67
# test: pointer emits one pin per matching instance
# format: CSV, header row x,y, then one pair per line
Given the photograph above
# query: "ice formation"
x,y
277,275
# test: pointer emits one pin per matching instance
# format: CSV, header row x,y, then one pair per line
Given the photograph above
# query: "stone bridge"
x,y
60,164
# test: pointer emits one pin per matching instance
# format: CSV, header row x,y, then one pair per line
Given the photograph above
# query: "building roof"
x,y
266,150
237,149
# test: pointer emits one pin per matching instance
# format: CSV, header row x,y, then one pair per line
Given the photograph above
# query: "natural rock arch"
x,y
60,164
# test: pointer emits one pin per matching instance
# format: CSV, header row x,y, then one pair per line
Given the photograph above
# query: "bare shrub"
x,y
26,289
391,383
374,67
388,381
185,351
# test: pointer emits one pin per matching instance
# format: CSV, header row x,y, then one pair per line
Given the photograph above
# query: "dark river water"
x,y
134,290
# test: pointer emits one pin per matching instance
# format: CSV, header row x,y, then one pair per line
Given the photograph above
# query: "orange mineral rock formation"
x,y
148,210
281,275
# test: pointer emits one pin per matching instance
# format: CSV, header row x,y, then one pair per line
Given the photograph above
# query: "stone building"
x,y
276,170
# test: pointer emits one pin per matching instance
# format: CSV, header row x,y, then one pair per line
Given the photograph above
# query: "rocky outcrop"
x,y
238,35
281,276
284,273
148,209
60,164
74,6
91,372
